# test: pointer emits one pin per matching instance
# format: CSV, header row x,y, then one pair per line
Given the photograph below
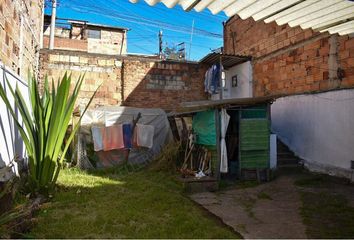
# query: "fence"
x,y
11,144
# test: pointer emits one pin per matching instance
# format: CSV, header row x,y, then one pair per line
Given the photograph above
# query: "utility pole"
x,y
190,45
160,44
52,24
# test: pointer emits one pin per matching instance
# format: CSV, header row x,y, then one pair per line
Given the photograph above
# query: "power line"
x,y
141,20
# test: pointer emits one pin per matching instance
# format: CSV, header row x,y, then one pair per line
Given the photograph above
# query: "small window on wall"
x,y
91,33
234,81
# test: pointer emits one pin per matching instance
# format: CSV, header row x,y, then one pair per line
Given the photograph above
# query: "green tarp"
x,y
204,127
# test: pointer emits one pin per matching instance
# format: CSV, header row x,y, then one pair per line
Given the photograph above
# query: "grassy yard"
x,y
107,204
326,209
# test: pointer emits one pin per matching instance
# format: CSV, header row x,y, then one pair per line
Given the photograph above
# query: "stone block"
x,y
74,59
102,62
83,60
53,58
118,63
64,58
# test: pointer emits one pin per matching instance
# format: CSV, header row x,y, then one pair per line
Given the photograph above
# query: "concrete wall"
x,y
129,81
244,86
291,60
19,43
10,139
319,128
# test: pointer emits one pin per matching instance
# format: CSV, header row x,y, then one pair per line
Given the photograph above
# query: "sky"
x,y
145,21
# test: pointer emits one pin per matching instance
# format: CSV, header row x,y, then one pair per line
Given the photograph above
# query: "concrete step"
x,y
285,157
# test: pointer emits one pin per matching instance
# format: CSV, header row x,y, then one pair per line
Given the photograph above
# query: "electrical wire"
x,y
140,20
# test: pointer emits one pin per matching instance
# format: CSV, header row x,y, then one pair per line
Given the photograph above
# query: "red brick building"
x,y
290,60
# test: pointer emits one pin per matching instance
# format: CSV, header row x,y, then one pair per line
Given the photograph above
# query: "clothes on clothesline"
x,y
120,136
113,138
127,135
97,136
144,135
212,79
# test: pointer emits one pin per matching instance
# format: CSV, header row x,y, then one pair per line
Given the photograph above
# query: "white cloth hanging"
x,y
224,120
97,136
145,135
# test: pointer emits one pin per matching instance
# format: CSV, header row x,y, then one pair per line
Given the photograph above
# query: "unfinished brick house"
x,y
88,37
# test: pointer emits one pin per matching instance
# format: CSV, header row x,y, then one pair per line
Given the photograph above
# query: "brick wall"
x,y
162,84
112,41
129,81
66,43
291,60
99,70
11,54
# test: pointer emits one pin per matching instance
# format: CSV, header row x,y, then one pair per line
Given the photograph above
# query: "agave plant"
x,y
45,122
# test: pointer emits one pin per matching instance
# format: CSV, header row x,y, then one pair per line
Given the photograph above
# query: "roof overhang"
x,y
197,106
227,61
334,16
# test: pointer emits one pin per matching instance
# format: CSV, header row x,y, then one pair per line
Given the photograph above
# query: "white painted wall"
x,y
10,140
319,128
244,88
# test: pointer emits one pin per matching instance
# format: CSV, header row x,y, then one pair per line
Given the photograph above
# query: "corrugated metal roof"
x,y
226,60
189,107
334,16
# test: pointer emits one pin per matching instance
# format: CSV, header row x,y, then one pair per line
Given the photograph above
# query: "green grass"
x,y
109,204
327,215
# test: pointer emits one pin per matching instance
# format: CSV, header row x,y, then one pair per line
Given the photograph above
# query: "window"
x,y
94,34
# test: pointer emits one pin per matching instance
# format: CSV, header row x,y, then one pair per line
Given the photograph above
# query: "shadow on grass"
x,y
327,215
112,203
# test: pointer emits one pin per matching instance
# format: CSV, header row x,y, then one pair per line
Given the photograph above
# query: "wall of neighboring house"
x,y
20,29
292,61
129,81
111,41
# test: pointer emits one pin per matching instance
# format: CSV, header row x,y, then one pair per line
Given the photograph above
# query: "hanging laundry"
x,y
145,135
224,122
97,136
215,81
212,79
127,135
113,138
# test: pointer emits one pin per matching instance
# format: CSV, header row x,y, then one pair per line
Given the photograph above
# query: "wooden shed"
x,y
246,139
